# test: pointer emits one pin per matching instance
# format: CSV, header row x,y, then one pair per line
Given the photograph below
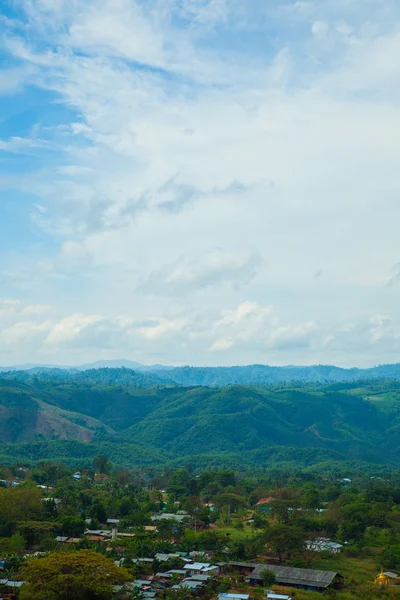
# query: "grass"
x,y
358,570
239,535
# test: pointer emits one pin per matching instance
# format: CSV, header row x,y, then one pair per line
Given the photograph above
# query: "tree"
x,y
280,510
101,463
70,576
267,577
72,526
125,506
167,527
284,538
15,544
391,557
98,511
34,531
13,563
311,498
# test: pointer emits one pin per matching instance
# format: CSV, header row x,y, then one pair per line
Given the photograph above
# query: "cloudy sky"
x,y
205,182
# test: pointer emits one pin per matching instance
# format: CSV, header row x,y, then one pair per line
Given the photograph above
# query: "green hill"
x,y
303,424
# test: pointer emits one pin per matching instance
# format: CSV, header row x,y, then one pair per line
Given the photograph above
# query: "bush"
x,y
267,577
299,563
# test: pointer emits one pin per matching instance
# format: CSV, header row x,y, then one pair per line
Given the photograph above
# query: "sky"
x,y
205,182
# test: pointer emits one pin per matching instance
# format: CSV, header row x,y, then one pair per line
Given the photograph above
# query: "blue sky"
x,y
200,181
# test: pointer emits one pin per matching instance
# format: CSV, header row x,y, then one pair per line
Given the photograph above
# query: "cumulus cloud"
x,y
214,267
187,158
259,326
248,330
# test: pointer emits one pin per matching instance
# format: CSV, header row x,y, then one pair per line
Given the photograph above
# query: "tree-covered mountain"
x,y
266,375
125,371
103,376
307,424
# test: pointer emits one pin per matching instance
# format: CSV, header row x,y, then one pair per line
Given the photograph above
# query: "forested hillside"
x,y
310,424
124,372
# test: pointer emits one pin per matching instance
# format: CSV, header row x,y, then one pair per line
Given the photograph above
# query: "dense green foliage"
x,y
214,515
71,576
292,426
128,372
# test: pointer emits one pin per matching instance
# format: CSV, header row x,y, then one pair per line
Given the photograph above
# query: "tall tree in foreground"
x,y
81,575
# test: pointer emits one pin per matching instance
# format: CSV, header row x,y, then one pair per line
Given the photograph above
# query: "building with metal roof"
x,y
306,579
229,596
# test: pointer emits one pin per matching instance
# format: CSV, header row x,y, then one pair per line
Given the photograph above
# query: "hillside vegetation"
x,y
128,372
307,424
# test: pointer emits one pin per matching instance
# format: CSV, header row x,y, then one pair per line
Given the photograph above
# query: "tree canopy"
x,y
77,575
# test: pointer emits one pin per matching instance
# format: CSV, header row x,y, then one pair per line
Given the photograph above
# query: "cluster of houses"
x,y
194,576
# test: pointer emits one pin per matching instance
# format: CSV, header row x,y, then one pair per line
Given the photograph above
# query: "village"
x,y
208,535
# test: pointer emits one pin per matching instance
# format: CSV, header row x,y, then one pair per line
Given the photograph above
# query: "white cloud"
x,y
191,273
24,332
162,328
320,29
18,144
255,326
197,166
69,328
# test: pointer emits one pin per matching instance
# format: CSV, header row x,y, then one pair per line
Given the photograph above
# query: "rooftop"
x,y
297,576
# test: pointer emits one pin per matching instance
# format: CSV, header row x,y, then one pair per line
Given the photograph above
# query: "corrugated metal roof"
x,y
228,596
244,565
197,566
296,576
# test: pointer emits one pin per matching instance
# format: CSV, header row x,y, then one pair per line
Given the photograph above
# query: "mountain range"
x,y
138,418
219,376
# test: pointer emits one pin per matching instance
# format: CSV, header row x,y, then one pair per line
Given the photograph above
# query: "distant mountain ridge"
x,y
100,364
217,376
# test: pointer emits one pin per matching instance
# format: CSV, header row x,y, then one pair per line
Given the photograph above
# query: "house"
x,y
56,501
10,583
177,572
143,560
303,579
198,568
345,481
271,595
102,532
76,476
162,516
203,577
190,585
230,596
112,521
98,535
244,568
323,545
391,575
263,506
163,577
